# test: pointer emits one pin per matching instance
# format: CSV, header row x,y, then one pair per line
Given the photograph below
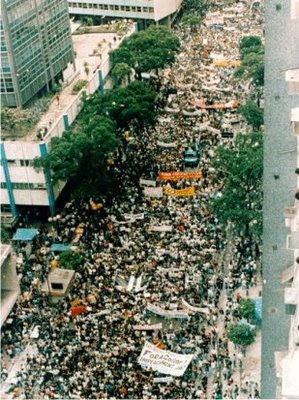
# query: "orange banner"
x,y
178,175
77,310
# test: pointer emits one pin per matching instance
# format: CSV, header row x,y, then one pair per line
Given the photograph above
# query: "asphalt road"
x,y
280,158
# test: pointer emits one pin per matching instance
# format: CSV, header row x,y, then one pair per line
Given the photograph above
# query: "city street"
x,y
161,279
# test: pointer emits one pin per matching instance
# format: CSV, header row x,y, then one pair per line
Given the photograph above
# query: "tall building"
x,y
161,11
280,339
36,46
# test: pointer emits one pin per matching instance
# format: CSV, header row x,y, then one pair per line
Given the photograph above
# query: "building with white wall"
x,y
152,10
10,288
21,184
280,315
36,46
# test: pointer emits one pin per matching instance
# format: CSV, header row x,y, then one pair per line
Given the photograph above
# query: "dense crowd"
x,y
95,354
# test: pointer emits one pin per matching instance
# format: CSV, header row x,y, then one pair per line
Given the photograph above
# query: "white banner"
x,y
161,228
164,361
166,145
204,310
133,284
147,182
166,313
148,327
167,379
134,217
153,191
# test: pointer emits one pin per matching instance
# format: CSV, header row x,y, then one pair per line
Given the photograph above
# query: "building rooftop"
x,y
92,50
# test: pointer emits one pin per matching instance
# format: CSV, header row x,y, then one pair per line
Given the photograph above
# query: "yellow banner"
x,y
189,191
178,175
226,63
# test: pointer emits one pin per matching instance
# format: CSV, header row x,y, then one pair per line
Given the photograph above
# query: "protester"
x,y
95,354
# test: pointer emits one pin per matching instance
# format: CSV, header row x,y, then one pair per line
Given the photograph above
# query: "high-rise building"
x,y
36,46
161,11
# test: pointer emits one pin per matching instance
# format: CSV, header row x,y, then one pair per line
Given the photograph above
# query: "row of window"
x,y
25,186
112,7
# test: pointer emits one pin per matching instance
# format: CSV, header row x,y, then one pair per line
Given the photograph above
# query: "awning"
x,y
25,235
258,307
59,247
287,274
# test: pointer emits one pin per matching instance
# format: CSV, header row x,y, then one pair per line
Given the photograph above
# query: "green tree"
x,y
132,104
250,44
148,50
5,235
246,309
238,172
241,334
81,156
70,260
121,72
191,20
253,114
199,7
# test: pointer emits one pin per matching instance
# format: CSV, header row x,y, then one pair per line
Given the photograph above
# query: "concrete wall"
x,y
16,151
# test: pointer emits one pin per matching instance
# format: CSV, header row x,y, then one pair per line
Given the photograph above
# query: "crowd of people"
x,y
172,242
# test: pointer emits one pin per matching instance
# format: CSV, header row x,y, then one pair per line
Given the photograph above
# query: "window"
x,y
26,163
295,9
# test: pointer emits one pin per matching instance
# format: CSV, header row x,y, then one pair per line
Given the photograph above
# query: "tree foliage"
x,y
241,334
148,50
252,60
134,103
70,260
191,20
239,170
199,7
246,309
120,72
81,156
253,114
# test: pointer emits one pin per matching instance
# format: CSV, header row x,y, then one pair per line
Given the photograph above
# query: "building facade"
x,y
36,46
154,10
22,186
10,287
280,339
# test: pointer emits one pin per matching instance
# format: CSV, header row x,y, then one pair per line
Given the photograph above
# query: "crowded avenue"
x,y
159,272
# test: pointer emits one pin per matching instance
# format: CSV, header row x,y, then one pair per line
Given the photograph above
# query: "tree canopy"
x,y
246,309
199,7
253,114
132,104
81,156
144,51
241,334
252,60
238,171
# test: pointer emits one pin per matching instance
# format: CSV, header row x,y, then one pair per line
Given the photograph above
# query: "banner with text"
x,y
166,145
164,361
193,309
147,182
148,327
189,191
179,175
153,191
166,313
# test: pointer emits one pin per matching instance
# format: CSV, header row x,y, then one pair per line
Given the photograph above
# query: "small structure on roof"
x,y
25,235
23,238
59,248
58,282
